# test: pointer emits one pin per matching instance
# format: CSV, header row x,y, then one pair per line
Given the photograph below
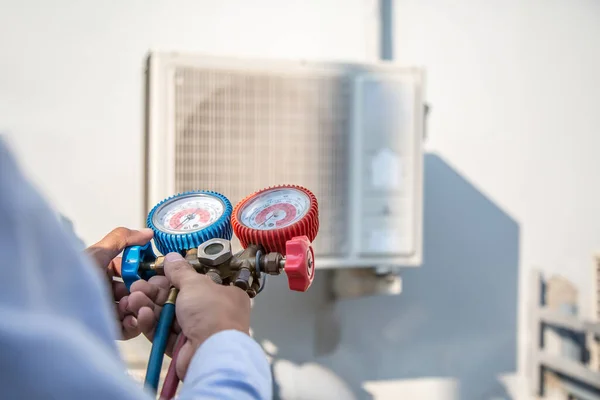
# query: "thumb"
x,y
179,271
115,242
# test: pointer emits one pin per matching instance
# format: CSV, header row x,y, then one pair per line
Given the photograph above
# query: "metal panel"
x,y
387,143
236,132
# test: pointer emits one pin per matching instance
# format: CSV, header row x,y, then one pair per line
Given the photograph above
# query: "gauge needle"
x,y
188,217
268,219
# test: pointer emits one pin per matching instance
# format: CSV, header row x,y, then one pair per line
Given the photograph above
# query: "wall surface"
x,y
510,182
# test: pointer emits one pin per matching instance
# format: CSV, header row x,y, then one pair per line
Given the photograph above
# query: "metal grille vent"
x,y
239,131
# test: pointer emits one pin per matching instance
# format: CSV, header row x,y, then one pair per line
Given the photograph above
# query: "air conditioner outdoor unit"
x,y
351,133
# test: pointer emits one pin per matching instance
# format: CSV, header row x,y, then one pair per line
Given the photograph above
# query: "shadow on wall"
x,y
456,318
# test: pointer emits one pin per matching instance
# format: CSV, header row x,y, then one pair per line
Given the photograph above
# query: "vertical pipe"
x,y
386,37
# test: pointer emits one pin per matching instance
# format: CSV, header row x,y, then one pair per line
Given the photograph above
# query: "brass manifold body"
x,y
215,259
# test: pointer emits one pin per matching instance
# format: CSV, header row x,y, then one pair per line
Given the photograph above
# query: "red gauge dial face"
x,y
275,209
188,213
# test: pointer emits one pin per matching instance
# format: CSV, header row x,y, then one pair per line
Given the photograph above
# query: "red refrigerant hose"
x,y
171,382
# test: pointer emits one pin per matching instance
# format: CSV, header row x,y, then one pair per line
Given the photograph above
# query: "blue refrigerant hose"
x,y
159,343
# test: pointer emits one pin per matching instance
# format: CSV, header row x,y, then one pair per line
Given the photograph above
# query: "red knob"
x,y
272,216
299,263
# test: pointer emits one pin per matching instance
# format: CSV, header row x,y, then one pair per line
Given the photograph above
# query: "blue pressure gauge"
x,y
187,220
180,223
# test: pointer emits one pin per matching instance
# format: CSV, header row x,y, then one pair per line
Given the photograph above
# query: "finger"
x,y
180,272
146,319
130,327
156,288
161,281
137,300
119,290
122,308
114,267
112,244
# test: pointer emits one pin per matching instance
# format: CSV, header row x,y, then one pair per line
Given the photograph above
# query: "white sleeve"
x,y
229,365
58,330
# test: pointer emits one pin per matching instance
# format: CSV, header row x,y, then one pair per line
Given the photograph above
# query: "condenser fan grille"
x,y
237,132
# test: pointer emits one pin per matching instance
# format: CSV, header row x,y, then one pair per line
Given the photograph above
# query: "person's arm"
x,y
57,329
229,365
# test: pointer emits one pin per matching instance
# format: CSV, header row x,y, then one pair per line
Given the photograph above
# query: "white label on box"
x,y
386,170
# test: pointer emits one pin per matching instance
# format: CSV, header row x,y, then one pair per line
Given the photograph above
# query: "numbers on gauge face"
x,y
188,213
274,209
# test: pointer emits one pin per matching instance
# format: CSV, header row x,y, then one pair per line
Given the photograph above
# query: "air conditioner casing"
x,y
351,133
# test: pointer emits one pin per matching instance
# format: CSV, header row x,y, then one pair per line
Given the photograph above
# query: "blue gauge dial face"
x,y
188,213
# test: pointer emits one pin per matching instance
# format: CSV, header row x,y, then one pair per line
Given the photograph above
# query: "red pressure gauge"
x,y
271,217
282,219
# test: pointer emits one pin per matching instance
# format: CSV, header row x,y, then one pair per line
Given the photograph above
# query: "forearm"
x,y
52,357
57,332
228,365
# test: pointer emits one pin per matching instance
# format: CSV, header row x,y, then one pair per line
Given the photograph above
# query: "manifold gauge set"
x,y
275,227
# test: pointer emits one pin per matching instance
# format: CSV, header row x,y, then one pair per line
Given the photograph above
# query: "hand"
x,y
203,308
105,253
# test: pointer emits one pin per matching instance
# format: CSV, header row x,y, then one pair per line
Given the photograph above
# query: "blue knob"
x,y
168,242
130,263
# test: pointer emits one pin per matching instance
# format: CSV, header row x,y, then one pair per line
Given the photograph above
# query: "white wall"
x,y
71,81
515,92
514,89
